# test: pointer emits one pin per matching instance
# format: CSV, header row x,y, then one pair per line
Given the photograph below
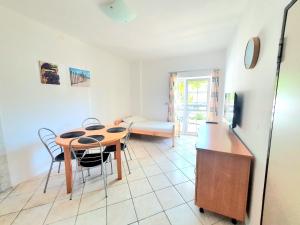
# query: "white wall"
x,y
27,105
153,77
263,19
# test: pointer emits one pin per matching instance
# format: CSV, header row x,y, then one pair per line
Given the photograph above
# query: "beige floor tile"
x,y
91,201
33,216
27,187
158,219
136,174
167,166
5,193
169,198
176,177
186,190
159,182
182,215
206,218
14,203
189,172
69,221
95,217
8,218
63,209
41,198
121,213
118,193
181,163
152,170
146,162
140,187
77,191
146,205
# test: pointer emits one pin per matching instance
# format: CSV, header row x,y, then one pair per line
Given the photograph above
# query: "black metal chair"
x,y
92,157
56,152
124,147
91,121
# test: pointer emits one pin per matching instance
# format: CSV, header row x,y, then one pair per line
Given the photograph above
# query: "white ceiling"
x,y
163,28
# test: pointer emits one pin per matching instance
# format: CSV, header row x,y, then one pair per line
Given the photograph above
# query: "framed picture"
x,y
79,78
49,73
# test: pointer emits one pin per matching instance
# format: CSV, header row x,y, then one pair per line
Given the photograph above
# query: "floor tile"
x,y
181,163
176,177
69,221
158,219
152,170
14,203
70,208
140,187
182,215
146,205
159,182
118,193
189,172
8,218
186,190
206,218
41,198
95,217
91,201
169,198
33,216
167,166
136,174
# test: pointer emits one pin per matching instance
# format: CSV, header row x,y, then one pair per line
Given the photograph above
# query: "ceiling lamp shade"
x,y
118,11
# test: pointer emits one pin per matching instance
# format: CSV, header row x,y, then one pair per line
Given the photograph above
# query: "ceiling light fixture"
x,y
118,11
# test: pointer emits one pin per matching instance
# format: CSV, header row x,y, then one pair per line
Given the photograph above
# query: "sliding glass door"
x,y
191,103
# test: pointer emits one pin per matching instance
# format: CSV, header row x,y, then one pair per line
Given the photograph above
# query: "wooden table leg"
x,y
119,159
68,168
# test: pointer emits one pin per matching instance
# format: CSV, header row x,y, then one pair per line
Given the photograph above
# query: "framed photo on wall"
x,y
49,73
79,78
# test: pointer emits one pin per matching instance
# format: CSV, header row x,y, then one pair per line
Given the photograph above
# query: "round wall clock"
x,y
252,53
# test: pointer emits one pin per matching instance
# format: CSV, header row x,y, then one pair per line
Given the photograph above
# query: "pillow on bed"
x,y
134,119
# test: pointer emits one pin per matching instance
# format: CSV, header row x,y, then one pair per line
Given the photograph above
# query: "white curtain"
x,y
214,100
171,105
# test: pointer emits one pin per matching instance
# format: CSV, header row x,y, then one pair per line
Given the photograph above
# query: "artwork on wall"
x,y
49,73
79,78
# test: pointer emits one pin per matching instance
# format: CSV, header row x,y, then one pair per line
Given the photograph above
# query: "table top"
x,y
109,138
219,138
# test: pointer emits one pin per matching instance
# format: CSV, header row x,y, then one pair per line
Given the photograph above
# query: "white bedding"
x,y
151,125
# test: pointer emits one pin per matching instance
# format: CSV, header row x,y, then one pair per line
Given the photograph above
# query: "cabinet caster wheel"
x,y
234,221
201,210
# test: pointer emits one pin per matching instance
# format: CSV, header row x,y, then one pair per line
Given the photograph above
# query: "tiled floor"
x,y
159,191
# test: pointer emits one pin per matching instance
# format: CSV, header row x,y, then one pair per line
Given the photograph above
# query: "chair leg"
x,y
127,148
50,169
104,178
59,167
74,181
111,166
83,179
89,174
127,161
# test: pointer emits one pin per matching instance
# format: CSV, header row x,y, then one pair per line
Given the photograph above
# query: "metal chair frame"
x,y
90,122
48,141
99,149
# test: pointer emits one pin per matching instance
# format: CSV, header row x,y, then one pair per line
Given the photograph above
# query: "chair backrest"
x,y
128,134
90,122
90,155
47,137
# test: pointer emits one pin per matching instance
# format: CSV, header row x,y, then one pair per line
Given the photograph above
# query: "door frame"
x,y
279,60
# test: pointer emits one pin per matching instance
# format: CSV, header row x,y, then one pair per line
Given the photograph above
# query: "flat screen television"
x,y
232,109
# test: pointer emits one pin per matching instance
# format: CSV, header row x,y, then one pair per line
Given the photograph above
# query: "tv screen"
x,y
232,109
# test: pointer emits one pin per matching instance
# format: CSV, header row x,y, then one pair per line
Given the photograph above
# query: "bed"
x,y
144,126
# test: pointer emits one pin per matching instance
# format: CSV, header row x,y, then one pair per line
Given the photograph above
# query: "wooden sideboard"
x,y
222,172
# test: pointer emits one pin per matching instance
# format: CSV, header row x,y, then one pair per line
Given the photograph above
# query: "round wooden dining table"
x,y
109,139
